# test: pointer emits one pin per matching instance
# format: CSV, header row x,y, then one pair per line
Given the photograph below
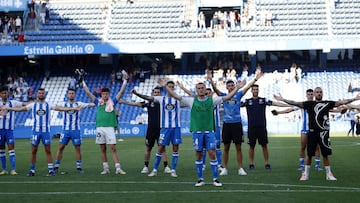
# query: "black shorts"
x,y
152,135
232,132
257,134
321,138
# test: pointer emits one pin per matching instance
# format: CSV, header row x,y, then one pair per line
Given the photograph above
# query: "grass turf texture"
x,y
281,184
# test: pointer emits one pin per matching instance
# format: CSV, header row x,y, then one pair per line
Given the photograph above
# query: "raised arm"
x,y
62,108
291,102
238,86
137,104
170,91
252,82
185,89
123,86
213,85
87,91
17,109
285,111
352,106
347,101
142,96
280,104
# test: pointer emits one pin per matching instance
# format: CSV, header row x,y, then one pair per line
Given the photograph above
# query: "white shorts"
x,y
105,135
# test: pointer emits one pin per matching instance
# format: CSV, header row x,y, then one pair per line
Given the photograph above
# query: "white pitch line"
x,y
175,191
287,186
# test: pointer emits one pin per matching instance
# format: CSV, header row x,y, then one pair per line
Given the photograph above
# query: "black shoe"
x,y
251,167
30,174
79,170
51,173
267,167
56,169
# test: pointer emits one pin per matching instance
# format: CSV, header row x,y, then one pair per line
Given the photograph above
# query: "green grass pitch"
x,y
281,184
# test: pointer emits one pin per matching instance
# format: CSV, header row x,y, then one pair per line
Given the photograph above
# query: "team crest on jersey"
x,y
169,107
152,104
71,112
41,112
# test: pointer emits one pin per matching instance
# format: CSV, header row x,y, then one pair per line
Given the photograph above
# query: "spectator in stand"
x,y
32,17
47,15
18,23
118,76
201,20
31,4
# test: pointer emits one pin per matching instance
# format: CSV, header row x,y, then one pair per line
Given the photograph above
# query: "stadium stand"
x,y
104,21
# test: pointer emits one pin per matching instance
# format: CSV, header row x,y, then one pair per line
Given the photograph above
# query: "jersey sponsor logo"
x,y
71,112
170,107
41,112
231,102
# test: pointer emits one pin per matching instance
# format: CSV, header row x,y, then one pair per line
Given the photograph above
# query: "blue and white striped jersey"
x,y
72,118
41,116
7,118
169,112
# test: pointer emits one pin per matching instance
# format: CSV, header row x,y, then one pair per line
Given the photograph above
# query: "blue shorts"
x,y
170,134
73,135
7,136
204,140
218,136
37,136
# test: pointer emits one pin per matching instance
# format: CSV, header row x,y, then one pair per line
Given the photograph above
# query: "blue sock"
x,y
157,161
204,157
57,163
32,167
301,161
50,167
78,164
199,171
12,158
175,157
317,161
219,156
214,168
3,159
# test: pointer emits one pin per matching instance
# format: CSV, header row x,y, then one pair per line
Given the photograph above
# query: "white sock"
x,y
327,169
105,165
117,166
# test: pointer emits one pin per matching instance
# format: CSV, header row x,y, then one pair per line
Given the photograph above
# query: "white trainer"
x,y
330,176
105,171
242,172
120,171
145,170
224,172
167,169
304,176
173,174
153,173
200,183
217,183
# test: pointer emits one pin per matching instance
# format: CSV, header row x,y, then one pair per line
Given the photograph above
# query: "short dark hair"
x,y
309,90
170,82
230,81
254,85
71,89
105,89
41,89
3,88
157,88
209,89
